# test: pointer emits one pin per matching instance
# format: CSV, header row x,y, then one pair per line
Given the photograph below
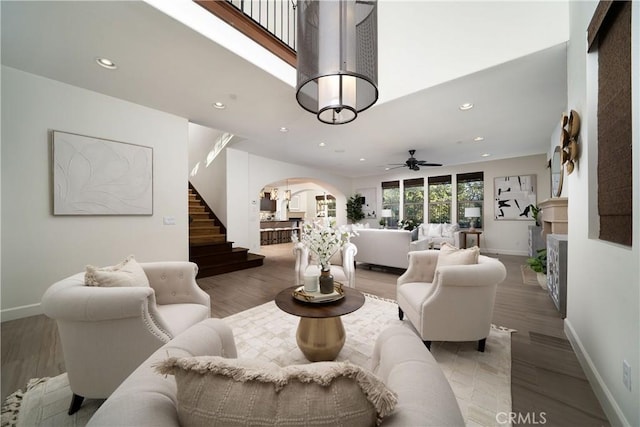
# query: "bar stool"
x,y
277,235
266,236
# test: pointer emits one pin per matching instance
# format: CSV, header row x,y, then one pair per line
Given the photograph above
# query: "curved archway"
x,y
305,202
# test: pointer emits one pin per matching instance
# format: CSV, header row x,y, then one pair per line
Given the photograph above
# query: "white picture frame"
x,y
513,196
96,176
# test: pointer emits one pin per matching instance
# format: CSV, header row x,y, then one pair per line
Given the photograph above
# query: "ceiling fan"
x,y
413,163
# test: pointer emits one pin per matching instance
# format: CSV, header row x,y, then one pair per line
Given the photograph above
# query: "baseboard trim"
x,y
503,252
609,405
20,312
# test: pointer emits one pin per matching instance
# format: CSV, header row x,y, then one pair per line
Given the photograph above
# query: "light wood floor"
x,y
546,376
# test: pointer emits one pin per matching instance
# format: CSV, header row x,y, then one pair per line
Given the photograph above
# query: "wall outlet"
x,y
626,374
169,220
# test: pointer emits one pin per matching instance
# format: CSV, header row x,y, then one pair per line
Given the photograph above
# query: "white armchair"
x,y
450,303
106,332
345,273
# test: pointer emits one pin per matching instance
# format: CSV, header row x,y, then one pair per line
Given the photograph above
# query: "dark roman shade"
x,y
444,179
609,34
390,184
416,182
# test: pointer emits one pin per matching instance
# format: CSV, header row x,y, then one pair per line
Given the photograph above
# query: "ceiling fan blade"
x,y
396,167
429,164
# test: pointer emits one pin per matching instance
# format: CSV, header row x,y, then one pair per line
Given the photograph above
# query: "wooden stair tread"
x,y
208,245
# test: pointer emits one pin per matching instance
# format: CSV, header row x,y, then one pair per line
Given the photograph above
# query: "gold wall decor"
x,y
569,140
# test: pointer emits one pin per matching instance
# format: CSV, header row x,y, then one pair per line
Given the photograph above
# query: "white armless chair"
x,y
106,332
450,303
345,273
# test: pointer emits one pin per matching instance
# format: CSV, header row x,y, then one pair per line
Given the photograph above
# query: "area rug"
x,y
480,381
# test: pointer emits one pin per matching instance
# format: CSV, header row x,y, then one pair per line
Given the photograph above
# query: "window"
x,y
470,195
440,199
413,204
391,200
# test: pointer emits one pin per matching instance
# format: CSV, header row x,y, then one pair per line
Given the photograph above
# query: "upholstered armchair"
x,y
450,302
344,273
106,332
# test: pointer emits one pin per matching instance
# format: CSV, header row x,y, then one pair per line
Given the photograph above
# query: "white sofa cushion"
x,y
126,273
435,230
214,390
449,229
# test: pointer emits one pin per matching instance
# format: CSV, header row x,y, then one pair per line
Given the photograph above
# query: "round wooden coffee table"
x,y
320,333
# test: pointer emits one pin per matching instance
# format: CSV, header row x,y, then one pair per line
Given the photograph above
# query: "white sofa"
x,y
432,235
148,399
386,247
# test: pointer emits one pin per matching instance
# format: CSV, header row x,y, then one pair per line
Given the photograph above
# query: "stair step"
x,y
208,249
203,230
198,208
207,238
200,215
222,258
252,260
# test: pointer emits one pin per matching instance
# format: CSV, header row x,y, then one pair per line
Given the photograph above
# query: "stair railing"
x,y
270,23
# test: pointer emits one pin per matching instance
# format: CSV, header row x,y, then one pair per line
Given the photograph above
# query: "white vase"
x,y
542,280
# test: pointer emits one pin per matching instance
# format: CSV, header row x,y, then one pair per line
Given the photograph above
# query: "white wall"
x,y
603,295
209,177
39,248
512,29
248,173
498,236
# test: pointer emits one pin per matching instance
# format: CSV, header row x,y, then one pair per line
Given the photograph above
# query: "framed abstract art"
x,y
513,197
95,176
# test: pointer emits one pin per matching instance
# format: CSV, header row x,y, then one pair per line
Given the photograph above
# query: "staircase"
x,y
208,246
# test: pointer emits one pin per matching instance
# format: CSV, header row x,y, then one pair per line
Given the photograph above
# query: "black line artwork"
x,y
514,196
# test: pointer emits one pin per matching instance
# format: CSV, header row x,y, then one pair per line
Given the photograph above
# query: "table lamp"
x,y
386,213
472,213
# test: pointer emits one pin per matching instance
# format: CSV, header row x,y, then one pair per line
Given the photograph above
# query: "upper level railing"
x,y
271,23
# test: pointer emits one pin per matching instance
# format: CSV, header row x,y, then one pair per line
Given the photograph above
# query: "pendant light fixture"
x,y
337,58
287,193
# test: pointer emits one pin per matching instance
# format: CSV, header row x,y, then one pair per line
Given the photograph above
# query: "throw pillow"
x,y
127,273
214,390
449,229
435,230
450,255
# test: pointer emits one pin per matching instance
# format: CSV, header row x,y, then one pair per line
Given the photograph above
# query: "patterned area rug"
x,y
480,381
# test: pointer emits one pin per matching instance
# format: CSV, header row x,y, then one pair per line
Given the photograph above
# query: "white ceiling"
x,y
167,66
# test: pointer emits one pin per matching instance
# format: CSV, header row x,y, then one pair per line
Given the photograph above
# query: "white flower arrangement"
x,y
323,239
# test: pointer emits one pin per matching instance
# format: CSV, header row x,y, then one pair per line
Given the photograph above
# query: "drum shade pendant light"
x,y
337,58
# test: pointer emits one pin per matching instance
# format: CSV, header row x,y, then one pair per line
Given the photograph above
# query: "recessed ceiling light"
x,y
486,155
362,159
322,144
106,63
387,169
219,105
466,106
478,138
284,129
